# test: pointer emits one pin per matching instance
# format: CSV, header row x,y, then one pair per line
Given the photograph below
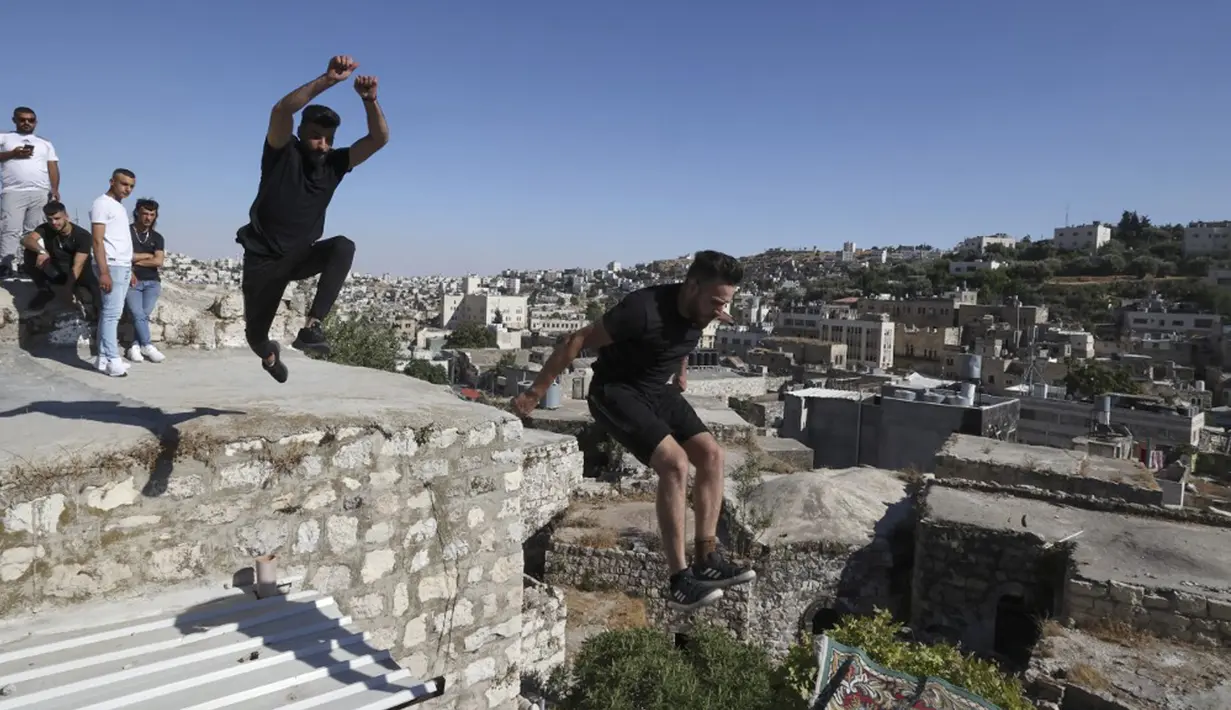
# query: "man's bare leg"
x,y
708,456
670,462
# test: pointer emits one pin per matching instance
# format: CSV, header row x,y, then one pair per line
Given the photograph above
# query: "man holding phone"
x,y
29,179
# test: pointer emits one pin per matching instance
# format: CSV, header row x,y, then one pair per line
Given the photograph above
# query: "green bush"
x,y
426,371
877,635
361,342
641,669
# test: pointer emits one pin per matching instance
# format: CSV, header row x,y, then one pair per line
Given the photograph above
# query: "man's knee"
x,y
670,462
705,452
343,246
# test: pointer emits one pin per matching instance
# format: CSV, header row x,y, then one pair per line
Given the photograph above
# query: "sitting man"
x,y
57,253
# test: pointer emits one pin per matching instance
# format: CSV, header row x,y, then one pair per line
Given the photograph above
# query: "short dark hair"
x,y
710,266
23,109
123,171
53,208
322,116
146,203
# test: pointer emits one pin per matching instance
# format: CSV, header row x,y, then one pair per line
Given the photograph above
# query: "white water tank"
x,y
968,392
1039,389
1200,384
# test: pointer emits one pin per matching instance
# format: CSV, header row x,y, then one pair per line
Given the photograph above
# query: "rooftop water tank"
x,y
553,397
970,366
933,397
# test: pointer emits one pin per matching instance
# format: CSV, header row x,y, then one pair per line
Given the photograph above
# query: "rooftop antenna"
x,y
1067,223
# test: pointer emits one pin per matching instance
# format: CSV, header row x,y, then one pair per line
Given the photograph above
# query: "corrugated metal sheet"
x,y
291,652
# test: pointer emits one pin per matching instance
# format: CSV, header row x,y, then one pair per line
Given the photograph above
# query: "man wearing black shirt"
x,y
57,253
643,343
282,240
145,285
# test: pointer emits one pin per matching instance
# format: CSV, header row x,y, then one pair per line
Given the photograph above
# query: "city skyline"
x,y
557,135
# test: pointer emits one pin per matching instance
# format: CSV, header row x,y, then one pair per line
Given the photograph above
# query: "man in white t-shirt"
x,y
29,178
113,257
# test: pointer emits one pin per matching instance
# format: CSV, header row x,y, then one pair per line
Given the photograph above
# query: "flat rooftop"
x,y
1151,552
59,405
966,450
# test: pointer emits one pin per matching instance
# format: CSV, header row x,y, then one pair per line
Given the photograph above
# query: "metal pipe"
x,y
266,576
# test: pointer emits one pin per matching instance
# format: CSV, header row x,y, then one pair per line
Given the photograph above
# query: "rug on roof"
x,y
849,680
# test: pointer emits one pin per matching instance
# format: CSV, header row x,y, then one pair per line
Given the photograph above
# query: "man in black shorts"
x,y
643,342
282,240
57,253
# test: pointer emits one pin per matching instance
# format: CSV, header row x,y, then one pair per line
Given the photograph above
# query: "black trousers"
x,y
86,289
265,280
639,421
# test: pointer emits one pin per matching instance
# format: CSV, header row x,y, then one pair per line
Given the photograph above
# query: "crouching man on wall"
x,y
57,257
643,345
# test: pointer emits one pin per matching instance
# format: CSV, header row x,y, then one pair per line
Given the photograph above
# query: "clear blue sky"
x,y
559,133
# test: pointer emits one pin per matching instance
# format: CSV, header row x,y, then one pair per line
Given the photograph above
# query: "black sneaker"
x,y
311,341
39,303
278,368
687,594
715,572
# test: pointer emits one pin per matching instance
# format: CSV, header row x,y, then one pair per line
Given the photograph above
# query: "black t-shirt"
x,y
147,243
62,248
288,214
650,339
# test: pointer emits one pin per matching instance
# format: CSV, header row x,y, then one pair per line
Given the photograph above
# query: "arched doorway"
x,y
1016,630
819,617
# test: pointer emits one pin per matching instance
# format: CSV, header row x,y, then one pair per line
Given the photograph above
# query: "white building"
x,y
1083,237
980,244
969,267
1219,277
868,342
481,308
1207,239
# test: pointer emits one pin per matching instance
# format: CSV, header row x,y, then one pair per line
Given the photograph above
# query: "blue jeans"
x,y
112,309
141,300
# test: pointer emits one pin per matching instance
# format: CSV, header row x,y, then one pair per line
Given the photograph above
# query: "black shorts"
x,y
639,422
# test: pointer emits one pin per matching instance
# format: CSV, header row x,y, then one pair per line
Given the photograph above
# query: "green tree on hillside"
x,y
424,370
470,336
361,342
1092,378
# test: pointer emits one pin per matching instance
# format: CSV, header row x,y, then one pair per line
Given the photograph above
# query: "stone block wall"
x,y
1024,476
961,573
1170,613
554,466
416,532
192,316
732,386
543,628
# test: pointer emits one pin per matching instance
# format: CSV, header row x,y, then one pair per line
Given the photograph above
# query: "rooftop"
x,y
963,450
1151,552
844,506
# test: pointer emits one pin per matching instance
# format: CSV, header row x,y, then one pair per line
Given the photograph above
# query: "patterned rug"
x,y
849,680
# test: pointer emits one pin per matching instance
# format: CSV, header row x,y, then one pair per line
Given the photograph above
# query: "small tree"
x,y
426,371
471,335
361,342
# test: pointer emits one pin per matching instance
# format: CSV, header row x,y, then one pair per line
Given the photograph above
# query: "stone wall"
x,y
543,628
1184,615
961,574
554,465
730,386
793,582
415,530
193,316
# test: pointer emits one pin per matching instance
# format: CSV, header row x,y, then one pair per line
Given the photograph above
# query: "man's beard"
x,y
316,158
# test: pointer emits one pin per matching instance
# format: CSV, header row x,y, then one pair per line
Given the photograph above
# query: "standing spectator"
x,y
58,254
145,285
29,179
113,260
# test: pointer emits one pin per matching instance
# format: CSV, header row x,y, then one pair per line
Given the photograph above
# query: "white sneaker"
x,y
151,353
134,353
115,368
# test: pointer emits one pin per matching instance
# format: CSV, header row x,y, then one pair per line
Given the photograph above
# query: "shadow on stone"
x,y
162,425
305,650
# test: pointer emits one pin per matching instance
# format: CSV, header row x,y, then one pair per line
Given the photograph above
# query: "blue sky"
x,y
564,132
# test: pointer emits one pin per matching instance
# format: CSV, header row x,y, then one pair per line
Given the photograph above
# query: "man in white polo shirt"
x,y
29,178
113,257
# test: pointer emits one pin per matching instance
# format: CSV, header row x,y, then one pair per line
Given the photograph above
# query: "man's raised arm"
x,y
282,117
592,336
378,130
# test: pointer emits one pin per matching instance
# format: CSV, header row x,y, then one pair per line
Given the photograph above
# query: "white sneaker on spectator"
x,y
134,353
151,353
114,367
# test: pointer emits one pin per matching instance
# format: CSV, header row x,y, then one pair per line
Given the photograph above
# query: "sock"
x,y
702,549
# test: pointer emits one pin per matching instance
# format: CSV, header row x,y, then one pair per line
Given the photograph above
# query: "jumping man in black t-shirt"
x,y
643,342
282,240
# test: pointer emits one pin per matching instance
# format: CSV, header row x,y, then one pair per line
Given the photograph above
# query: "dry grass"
x,y
600,539
1051,628
1119,632
612,610
1087,676
581,521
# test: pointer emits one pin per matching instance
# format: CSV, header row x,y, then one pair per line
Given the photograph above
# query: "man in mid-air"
x,y
643,344
282,241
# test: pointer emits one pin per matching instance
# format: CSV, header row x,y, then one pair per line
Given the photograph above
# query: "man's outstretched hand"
x,y
525,403
340,67
365,86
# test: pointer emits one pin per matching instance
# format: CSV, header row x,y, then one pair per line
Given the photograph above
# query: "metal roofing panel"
x,y
294,651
